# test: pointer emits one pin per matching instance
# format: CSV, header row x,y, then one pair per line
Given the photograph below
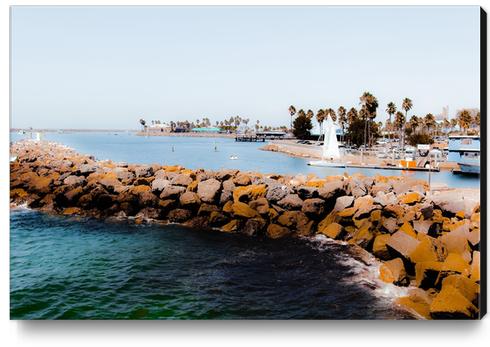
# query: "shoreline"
x,y
314,152
427,242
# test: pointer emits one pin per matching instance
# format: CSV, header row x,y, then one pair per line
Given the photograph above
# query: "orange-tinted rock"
x,y
451,304
363,201
375,216
379,247
410,198
316,183
242,210
72,210
333,230
234,225
425,251
475,266
260,205
408,229
392,271
293,219
348,212
454,264
249,193
395,211
415,305
242,179
467,287
174,168
275,231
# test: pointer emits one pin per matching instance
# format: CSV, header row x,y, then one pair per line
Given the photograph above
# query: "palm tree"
x,y
429,121
391,110
320,115
292,112
364,114
310,114
371,104
414,122
446,125
464,120
351,117
342,119
453,123
400,124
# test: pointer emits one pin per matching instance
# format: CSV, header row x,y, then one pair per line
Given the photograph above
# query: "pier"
x,y
389,167
249,138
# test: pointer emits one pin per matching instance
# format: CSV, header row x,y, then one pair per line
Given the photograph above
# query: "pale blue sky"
x,y
107,67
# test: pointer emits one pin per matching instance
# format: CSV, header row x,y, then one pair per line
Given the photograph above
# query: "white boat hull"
x,y
473,168
324,163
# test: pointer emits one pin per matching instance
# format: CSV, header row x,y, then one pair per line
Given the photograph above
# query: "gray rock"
x,y
343,202
390,225
357,188
75,181
87,169
209,190
381,187
227,192
333,189
205,175
158,185
144,170
110,184
181,180
276,192
172,192
314,208
128,175
305,192
291,202
120,164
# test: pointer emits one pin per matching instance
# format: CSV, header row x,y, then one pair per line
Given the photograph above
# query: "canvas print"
x,y
247,163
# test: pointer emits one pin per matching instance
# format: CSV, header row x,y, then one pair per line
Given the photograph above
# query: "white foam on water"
x,y
365,269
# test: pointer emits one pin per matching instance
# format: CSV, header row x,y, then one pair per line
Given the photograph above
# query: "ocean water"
x,y
81,268
65,268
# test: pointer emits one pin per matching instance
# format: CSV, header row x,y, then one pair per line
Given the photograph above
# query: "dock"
x,y
387,167
249,138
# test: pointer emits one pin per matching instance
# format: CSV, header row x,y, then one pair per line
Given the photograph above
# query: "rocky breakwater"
x,y
427,241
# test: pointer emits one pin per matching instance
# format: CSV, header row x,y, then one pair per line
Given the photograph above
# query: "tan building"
x,y
159,128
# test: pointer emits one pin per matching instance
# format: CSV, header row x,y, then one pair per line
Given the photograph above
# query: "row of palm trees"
x,y
368,112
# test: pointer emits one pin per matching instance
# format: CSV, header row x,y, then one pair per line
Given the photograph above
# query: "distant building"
x,y
159,128
441,117
206,130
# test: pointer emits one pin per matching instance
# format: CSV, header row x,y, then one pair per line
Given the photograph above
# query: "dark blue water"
x,y
199,152
63,268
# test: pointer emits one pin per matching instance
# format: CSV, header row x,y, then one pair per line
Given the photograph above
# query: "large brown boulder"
x,y
401,245
249,193
275,231
291,202
242,210
181,180
190,201
293,219
254,227
331,190
392,271
159,184
75,181
227,192
343,202
209,190
277,192
314,208
172,192
451,304
179,215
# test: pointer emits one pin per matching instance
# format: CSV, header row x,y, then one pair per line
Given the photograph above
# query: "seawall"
x,y
427,241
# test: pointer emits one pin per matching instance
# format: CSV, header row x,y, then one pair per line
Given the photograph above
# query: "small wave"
x,y
364,268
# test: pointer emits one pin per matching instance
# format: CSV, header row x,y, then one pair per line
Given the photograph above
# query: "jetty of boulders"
x,y
426,240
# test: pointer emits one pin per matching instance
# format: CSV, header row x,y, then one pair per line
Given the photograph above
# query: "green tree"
x,y
429,121
464,120
320,115
355,133
341,112
399,124
302,126
292,112
391,110
371,104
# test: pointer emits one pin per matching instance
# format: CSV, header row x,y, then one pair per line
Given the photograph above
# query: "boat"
x,y
465,151
470,168
233,157
22,132
330,147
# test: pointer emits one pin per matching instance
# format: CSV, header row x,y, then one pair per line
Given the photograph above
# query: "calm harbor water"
x,y
80,268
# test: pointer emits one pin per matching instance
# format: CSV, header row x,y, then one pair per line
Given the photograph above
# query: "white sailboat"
x,y
330,147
